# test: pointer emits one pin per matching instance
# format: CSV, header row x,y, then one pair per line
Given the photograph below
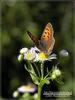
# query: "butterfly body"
x,y
46,42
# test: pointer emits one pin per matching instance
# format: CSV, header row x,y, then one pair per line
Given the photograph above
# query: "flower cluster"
x,y
37,73
35,55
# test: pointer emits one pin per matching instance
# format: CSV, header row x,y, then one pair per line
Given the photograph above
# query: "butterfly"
x,y
46,42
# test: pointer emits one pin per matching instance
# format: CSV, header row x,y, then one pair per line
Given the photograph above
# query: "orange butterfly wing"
x,y
46,43
47,37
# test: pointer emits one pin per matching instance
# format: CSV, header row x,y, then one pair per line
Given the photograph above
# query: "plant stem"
x,y
41,84
42,70
39,91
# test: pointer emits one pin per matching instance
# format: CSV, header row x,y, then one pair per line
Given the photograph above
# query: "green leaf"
x,y
47,81
33,75
44,81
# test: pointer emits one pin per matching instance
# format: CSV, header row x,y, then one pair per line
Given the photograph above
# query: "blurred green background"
x,y
16,19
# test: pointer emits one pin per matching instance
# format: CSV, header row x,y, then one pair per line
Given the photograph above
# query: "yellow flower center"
x,y
26,87
42,56
29,55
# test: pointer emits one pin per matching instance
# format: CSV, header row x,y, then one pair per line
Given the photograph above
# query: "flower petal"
x,y
52,56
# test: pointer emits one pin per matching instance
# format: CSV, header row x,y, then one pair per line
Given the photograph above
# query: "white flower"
x,y
30,88
43,57
23,50
40,57
30,55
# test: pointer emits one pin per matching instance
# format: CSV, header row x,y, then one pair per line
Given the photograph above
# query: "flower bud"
x,y
23,50
56,73
20,57
15,94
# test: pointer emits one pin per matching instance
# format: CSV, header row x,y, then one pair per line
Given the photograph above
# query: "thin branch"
x,y
31,72
37,69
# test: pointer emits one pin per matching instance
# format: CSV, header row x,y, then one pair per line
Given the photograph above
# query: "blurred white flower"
x,y
30,88
64,53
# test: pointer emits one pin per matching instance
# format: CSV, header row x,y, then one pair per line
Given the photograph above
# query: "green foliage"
x,y
32,72
27,96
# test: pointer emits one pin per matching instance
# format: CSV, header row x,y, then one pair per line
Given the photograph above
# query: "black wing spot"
x,y
44,36
45,32
48,36
47,29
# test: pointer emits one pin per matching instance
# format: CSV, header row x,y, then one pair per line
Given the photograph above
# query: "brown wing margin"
x,y
34,38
